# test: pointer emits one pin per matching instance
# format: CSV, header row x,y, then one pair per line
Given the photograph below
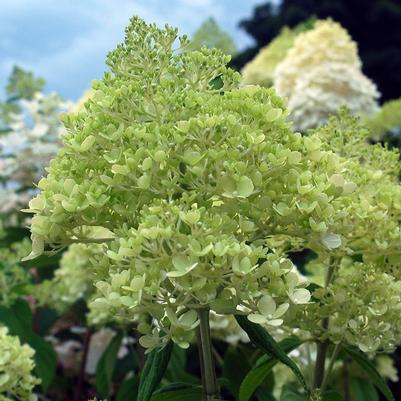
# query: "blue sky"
x,y
66,42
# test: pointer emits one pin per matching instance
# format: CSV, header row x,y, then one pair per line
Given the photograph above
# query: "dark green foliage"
x,y
18,319
153,371
264,341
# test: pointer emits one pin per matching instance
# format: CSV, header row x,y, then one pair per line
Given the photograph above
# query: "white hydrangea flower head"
x,y
260,70
321,73
31,141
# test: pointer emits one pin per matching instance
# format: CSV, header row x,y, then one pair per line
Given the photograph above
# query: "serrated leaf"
x,y
258,374
106,365
368,367
264,341
155,366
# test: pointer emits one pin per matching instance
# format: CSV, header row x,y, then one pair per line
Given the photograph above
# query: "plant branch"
x,y
209,381
347,390
330,367
322,346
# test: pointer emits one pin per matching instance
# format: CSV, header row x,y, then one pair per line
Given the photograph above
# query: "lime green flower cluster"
x,y
72,281
369,223
362,305
16,365
186,174
14,278
261,69
387,121
361,294
321,73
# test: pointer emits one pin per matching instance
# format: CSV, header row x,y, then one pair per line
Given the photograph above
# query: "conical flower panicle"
x,y
181,175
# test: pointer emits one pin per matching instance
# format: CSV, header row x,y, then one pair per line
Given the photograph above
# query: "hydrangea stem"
x,y
346,381
320,362
330,367
209,381
322,346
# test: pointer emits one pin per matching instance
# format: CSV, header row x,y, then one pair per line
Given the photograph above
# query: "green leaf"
x,y
128,390
106,365
288,394
373,375
42,261
235,368
45,318
183,394
18,319
264,341
333,396
258,374
264,395
125,365
45,360
176,370
362,390
155,366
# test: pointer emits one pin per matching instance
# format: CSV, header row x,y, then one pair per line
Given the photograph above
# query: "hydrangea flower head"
x,y
321,73
261,69
16,365
181,175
